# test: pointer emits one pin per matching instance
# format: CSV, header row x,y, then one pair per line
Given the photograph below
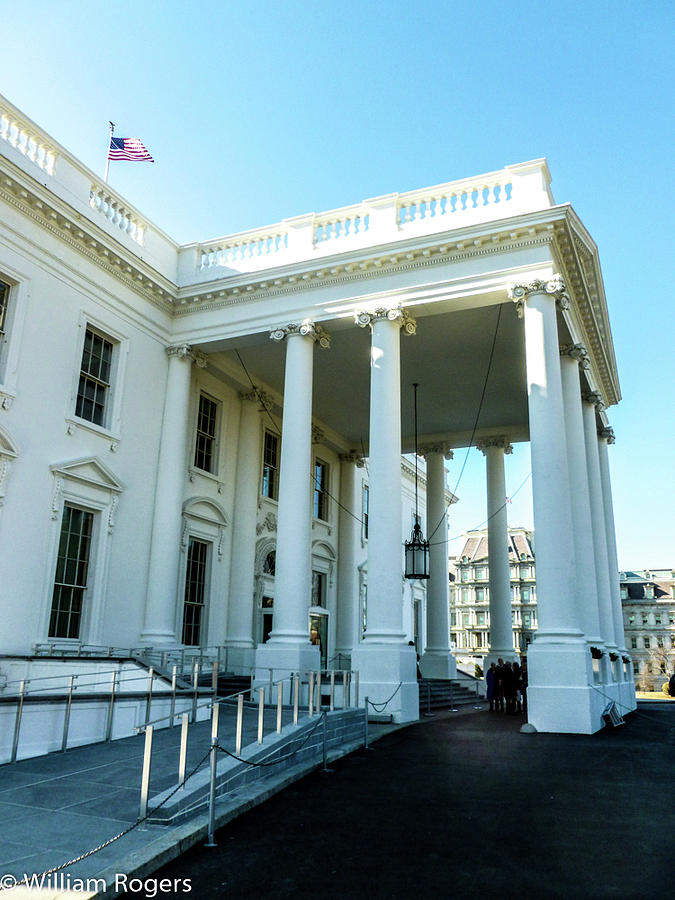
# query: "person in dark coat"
x,y
490,685
499,685
509,680
671,685
516,674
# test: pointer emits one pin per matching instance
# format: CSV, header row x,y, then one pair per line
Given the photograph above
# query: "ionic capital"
x,y
365,317
353,457
306,329
594,398
439,447
499,441
188,353
318,434
554,287
578,352
606,434
255,395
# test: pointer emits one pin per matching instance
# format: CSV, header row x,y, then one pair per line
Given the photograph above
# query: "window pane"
x,y
270,466
320,490
4,300
206,434
72,567
94,381
195,589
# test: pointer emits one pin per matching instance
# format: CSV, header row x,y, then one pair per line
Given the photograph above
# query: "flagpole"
x,y
107,161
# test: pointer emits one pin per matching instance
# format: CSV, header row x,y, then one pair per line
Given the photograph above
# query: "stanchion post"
x,y
66,718
214,678
310,696
271,683
195,688
319,704
145,777
250,693
240,723
148,702
17,721
212,784
111,708
296,697
365,724
280,703
182,759
261,713
172,715
356,687
332,691
345,699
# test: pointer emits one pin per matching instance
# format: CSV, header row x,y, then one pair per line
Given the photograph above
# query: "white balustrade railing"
x,y
341,224
24,137
457,199
238,248
101,199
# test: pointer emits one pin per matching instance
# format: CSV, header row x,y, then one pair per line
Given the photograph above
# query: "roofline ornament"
x,y
578,352
366,317
554,286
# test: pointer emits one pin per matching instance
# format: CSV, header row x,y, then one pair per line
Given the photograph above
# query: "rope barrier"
x,y
380,707
273,762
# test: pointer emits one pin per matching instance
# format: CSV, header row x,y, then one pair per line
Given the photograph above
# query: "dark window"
x,y
270,479
318,589
320,490
72,566
94,383
647,643
633,643
4,302
267,618
205,446
195,591
364,512
270,564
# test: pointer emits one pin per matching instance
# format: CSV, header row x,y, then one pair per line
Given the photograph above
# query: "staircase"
x,y
227,684
438,695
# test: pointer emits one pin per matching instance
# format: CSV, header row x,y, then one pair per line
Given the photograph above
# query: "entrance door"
x,y
318,635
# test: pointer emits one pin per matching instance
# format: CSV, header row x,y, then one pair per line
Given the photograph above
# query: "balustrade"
x,y
19,133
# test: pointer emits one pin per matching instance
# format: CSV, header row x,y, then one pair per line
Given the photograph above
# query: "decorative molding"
x,y
353,457
256,395
318,434
594,398
498,441
578,352
555,287
366,317
307,328
185,351
56,493
6,400
607,434
439,447
114,501
269,523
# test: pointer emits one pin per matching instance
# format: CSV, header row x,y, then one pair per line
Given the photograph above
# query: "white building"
x,y
169,475
648,601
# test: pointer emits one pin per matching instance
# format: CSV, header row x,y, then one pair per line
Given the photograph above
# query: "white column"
x,y
627,688
288,646
591,401
349,543
437,660
571,357
560,698
501,622
242,572
386,664
160,607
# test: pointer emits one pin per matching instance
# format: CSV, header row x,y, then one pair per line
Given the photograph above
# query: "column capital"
x,y
594,398
353,457
578,352
307,328
554,287
364,317
186,352
255,395
606,434
318,434
439,447
499,441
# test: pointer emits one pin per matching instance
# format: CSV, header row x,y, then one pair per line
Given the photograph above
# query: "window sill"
x,y
193,472
73,424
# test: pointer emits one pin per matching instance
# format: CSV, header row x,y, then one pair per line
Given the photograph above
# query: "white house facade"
x,y
204,444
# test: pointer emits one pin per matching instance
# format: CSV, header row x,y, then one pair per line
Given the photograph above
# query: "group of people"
x,y
506,684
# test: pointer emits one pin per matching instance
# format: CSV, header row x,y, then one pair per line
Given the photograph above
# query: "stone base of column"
x,y
561,697
239,656
438,664
382,668
284,659
164,639
627,697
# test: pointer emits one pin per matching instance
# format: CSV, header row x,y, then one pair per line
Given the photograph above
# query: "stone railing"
x,y
116,212
511,191
25,137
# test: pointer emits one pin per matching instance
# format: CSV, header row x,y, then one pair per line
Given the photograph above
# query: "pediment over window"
x,y
7,445
91,471
205,509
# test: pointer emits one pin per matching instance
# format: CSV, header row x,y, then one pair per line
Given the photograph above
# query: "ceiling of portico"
x,y
448,357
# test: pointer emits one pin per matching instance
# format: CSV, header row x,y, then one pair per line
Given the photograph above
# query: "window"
x,y
267,618
95,378
195,592
527,620
465,595
270,563
636,668
624,593
4,304
659,642
631,619
466,619
647,643
365,504
525,594
320,490
480,618
465,574
270,479
205,446
480,595
645,619
318,589
72,566
671,618
633,643
657,619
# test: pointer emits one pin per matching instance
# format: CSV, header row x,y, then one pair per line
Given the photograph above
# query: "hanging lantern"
x,y
416,554
416,549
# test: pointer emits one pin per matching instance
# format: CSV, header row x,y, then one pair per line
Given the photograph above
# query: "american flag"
x,y
128,148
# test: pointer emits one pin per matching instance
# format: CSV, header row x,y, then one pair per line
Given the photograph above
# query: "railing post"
x,y
332,691
325,756
310,697
173,697
145,777
318,691
271,683
163,660
111,708
66,718
214,679
365,724
182,759
345,699
261,713
218,649
148,702
356,687
296,698
250,692
195,688
240,723
17,723
214,766
280,701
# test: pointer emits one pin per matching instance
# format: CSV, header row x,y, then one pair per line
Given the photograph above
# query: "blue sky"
x,y
259,111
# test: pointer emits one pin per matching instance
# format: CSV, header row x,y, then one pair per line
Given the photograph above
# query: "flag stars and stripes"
x,y
129,149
